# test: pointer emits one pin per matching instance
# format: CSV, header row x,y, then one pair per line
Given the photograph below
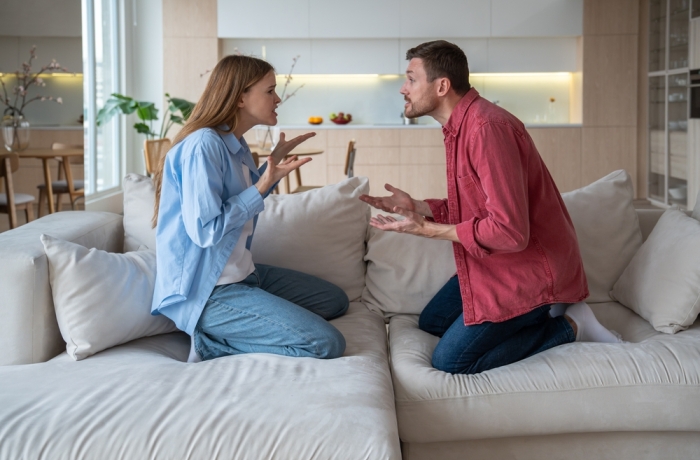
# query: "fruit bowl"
x,y
341,121
341,118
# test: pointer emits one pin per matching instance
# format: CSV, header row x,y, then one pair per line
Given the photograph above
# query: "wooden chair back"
x,y
256,158
9,163
153,151
350,159
67,172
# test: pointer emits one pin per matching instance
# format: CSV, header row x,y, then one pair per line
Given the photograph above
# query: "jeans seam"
x,y
267,319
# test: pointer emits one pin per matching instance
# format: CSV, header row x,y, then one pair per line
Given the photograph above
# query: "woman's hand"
x,y
284,147
276,171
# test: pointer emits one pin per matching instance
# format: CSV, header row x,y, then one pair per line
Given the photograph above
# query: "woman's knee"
x,y
331,345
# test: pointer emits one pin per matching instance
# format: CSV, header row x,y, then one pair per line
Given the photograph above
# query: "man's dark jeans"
x,y
480,347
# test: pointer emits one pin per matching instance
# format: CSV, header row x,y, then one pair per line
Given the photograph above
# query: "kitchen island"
x,y
412,157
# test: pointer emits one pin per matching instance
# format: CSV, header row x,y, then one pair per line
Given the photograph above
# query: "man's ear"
x,y
443,86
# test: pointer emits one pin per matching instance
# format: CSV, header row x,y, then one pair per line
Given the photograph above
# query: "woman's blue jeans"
x,y
274,310
480,347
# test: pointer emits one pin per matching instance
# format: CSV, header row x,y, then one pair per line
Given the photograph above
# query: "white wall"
x,y
40,18
54,26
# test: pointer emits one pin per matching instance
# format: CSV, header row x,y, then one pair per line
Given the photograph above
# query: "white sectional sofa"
x,y
382,399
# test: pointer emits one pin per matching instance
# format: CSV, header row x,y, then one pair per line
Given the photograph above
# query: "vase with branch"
x,y
15,127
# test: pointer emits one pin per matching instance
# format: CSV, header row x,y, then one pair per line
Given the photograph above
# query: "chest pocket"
x,y
471,198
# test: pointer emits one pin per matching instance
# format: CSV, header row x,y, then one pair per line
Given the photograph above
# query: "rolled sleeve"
x,y
465,233
439,210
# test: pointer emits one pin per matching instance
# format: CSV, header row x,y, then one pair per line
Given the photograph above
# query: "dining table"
x,y
299,151
47,154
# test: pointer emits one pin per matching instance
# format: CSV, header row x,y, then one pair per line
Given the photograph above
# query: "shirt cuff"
x,y
252,200
465,233
439,211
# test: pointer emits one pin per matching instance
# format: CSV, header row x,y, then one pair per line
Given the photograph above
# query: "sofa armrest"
x,y
28,330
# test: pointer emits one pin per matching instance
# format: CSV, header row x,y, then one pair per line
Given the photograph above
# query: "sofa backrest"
x,y
28,328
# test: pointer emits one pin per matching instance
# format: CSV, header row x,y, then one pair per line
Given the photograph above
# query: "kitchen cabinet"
x,y
355,57
399,18
536,18
356,19
263,19
669,22
413,158
445,18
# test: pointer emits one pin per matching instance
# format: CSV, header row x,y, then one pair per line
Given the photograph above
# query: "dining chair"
x,y
74,188
10,201
153,150
348,170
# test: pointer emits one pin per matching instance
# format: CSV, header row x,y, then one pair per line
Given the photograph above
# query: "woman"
x,y
208,196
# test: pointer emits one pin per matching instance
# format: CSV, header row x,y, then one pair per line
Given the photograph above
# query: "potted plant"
x,y
147,113
15,128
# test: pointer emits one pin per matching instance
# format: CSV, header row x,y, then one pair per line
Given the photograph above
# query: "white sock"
x,y
557,309
589,329
194,356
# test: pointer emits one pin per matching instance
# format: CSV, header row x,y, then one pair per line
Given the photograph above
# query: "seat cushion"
x,y
20,198
61,186
141,400
650,384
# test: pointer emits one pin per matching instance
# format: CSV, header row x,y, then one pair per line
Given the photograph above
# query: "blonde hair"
x,y
232,76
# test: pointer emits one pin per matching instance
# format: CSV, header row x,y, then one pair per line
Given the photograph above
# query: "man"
x,y
514,243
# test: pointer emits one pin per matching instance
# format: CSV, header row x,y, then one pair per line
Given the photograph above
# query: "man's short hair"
x,y
443,59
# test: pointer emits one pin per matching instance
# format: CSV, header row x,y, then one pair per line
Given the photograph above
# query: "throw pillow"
x,y
320,232
662,282
101,299
696,209
404,271
139,196
607,229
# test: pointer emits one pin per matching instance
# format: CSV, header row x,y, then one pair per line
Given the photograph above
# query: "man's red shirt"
x,y
518,248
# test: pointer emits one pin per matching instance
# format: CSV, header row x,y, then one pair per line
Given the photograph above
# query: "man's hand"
x,y
414,224
274,171
398,198
283,147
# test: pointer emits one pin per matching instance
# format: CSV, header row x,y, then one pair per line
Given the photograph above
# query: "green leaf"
x,y
147,111
176,119
184,106
110,109
143,128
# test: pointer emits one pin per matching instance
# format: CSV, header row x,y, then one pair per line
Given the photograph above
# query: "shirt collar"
x,y
238,147
454,123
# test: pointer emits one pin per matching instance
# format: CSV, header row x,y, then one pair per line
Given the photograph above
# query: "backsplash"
x,y
534,98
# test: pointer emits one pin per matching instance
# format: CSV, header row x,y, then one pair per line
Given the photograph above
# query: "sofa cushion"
x,y
652,384
28,330
662,281
139,196
320,232
404,271
102,299
607,229
140,400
